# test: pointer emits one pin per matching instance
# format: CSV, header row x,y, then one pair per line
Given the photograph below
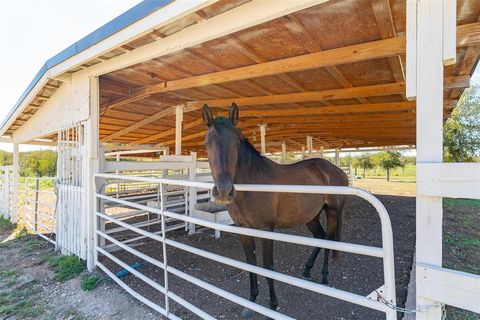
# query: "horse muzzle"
x,y
224,195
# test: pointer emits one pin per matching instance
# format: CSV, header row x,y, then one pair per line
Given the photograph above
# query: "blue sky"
x,y
32,31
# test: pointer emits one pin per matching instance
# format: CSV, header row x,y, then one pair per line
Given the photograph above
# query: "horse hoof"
x,y
324,281
306,274
247,313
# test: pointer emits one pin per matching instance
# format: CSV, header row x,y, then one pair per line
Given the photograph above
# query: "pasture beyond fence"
x,y
381,299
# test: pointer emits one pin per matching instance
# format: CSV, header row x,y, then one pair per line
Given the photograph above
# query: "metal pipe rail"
x,y
385,252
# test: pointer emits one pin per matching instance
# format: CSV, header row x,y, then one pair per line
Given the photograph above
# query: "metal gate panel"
x,y
71,213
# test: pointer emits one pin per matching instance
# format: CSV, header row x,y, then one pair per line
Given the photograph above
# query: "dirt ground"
x,y
28,291
351,272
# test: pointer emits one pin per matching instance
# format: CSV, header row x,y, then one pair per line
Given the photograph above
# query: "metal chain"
x,y
420,308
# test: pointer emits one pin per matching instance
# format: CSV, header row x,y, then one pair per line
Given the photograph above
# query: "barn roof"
x,y
130,16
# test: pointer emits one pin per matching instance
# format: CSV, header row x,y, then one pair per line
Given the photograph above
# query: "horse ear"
x,y
233,113
207,115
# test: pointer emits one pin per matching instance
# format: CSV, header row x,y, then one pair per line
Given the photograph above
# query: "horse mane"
x,y
248,156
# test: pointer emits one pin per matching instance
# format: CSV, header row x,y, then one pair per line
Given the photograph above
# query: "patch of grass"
x,y
9,277
67,267
470,203
33,243
459,314
21,303
5,224
74,315
19,232
90,282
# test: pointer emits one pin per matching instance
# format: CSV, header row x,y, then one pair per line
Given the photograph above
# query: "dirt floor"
x,y
28,289
351,272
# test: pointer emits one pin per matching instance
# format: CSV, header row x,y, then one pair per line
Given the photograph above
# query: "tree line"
x,y
387,160
42,163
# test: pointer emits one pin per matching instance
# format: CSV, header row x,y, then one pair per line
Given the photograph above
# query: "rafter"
x,y
383,17
374,90
466,35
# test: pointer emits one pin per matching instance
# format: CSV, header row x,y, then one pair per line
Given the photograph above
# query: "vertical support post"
x,y
303,152
284,152
16,177
37,191
91,166
430,34
178,129
321,151
263,131
117,158
337,157
309,145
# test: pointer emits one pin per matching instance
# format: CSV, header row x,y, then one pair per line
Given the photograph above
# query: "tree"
x,y
364,161
389,160
461,133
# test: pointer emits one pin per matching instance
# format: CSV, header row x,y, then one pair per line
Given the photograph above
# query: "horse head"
x,y
222,142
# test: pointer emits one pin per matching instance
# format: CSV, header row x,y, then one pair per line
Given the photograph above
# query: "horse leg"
x,y
331,232
267,251
248,244
317,230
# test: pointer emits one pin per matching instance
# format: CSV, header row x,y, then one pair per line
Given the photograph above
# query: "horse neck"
x,y
253,170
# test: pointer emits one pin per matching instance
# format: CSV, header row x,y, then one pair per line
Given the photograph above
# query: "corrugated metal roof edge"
x,y
130,16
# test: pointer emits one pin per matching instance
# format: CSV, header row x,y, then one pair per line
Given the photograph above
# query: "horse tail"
x,y
338,232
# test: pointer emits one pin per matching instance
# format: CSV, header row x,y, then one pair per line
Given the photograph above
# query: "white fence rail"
x,y
39,207
6,189
385,252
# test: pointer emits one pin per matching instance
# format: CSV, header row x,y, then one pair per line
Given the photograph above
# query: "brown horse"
x,y
233,160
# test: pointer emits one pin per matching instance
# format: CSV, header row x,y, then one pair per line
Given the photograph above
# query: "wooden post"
x,y
284,152
425,54
178,129
303,152
93,158
37,191
337,157
263,128
321,151
117,158
309,145
16,176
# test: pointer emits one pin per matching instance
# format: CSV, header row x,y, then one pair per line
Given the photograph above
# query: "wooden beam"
x,y
374,90
169,132
383,17
164,113
349,54
356,108
297,28
466,35
334,94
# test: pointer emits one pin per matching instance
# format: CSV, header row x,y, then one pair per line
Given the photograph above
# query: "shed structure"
x,y
307,75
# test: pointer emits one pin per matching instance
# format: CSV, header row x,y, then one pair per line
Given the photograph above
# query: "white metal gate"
x,y
39,206
382,299
6,179
71,214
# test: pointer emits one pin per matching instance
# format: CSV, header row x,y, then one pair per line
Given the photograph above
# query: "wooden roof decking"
x,y
334,72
